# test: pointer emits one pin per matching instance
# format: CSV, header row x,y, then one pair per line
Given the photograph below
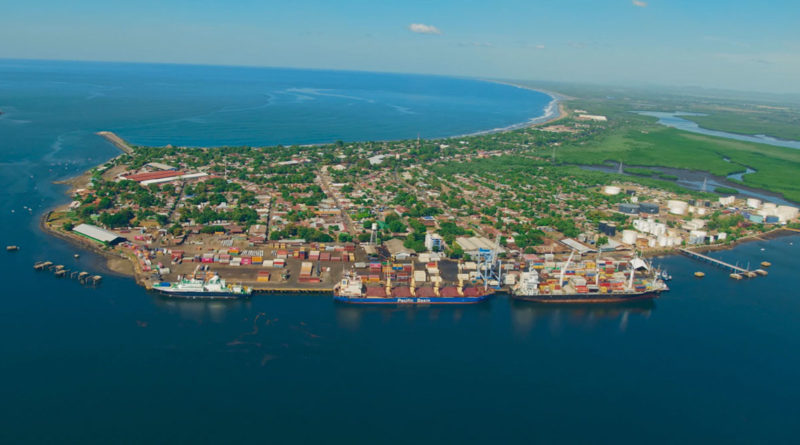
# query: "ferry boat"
x,y
213,288
590,282
351,290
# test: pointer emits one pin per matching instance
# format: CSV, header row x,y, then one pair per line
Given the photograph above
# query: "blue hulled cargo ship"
x,y
352,290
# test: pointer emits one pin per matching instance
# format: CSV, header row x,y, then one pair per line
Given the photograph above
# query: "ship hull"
x,y
201,295
411,300
594,298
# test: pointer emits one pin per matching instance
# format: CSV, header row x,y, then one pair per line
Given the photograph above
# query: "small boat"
x,y
77,256
12,248
766,264
699,274
736,276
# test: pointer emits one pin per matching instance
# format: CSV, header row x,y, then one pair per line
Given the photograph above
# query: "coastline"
x,y
702,248
116,140
554,111
120,264
115,262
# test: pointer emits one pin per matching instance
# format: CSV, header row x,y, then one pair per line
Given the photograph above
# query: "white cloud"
x,y
420,28
639,3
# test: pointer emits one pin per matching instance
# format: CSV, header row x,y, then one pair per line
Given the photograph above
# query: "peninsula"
x,y
298,218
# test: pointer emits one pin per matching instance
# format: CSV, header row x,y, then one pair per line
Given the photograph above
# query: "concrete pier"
x,y
719,263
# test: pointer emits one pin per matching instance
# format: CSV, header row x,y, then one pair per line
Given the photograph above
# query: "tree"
x,y
176,230
120,219
456,251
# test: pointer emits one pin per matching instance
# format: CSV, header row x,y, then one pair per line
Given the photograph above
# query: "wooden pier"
x,y
62,272
735,270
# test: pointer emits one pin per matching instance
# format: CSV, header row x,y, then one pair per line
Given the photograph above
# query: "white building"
x,y
434,242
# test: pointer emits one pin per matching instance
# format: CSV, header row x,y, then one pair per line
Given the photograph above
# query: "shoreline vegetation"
x,y
552,123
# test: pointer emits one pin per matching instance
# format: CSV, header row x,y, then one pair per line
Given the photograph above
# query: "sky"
x,y
734,44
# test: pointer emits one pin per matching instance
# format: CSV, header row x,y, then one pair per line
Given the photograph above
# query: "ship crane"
x,y
490,266
564,269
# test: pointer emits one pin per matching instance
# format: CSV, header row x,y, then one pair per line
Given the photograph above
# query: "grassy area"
x,y
775,123
725,191
656,146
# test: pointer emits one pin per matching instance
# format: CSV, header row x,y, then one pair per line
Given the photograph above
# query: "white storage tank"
x,y
612,190
753,203
786,213
697,236
677,207
629,236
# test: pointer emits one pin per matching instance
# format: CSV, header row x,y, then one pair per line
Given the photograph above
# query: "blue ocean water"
x,y
712,361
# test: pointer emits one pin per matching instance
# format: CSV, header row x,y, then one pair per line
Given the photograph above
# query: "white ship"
x,y
349,287
213,288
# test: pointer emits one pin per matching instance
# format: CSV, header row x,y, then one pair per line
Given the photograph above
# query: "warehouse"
x,y
97,234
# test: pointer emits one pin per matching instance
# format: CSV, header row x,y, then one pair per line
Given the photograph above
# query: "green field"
x,y
655,146
781,125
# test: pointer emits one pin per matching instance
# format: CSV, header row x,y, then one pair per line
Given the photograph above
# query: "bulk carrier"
x,y
589,282
351,290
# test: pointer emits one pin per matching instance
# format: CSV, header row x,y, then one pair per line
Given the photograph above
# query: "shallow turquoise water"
x,y
712,361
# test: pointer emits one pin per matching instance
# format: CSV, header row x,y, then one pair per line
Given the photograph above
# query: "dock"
x,y
60,271
735,270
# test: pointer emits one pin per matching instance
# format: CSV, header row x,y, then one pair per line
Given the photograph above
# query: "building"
x,y
434,242
148,176
577,246
97,234
592,117
473,245
160,166
428,221
397,250
258,231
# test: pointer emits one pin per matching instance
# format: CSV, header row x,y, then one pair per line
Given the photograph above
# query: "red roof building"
x,y
139,177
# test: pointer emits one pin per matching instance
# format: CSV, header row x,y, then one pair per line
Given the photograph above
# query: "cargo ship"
x,y
351,290
214,288
589,282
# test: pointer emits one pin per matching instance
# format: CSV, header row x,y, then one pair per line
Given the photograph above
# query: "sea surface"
x,y
712,361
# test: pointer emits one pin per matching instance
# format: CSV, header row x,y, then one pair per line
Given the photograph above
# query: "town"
x,y
474,209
